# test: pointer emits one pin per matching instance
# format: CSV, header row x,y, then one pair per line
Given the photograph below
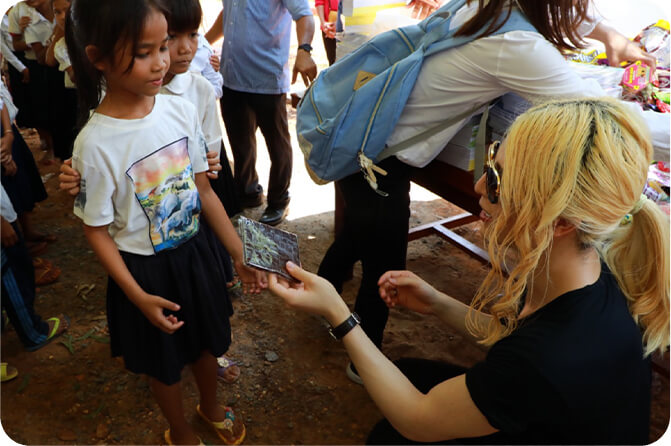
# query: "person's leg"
x,y
169,399
384,240
18,293
330,48
271,115
205,372
240,124
424,374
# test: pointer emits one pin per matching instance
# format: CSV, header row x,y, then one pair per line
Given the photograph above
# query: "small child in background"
x,y
206,62
65,109
143,189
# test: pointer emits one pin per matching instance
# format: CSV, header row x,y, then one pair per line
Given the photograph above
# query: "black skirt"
x,y
24,188
188,275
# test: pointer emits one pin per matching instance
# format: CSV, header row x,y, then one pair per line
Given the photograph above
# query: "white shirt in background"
x,y
7,45
63,58
6,99
201,64
6,209
456,80
137,175
197,90
21,9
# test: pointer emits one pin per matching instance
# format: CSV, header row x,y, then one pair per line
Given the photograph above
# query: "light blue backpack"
x,y
350,110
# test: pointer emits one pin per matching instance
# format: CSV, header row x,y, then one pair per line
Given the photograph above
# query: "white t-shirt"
x,y
63,58
137,176
21,9
39,30
201,64
196,89
452,82
6,99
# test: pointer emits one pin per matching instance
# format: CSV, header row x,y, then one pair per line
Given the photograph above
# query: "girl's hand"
x,y
405,289
620,49
7,234
24,22
152,307
313,294
328,28
213,162
421,9
6,144
25,78
10,167
253,280
214,61
69,179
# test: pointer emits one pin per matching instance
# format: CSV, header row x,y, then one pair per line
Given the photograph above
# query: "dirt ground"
x,y
292,390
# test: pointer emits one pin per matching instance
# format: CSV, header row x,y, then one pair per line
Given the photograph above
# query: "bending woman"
x,y
570,329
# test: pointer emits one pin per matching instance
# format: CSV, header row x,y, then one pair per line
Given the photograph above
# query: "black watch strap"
x,y
305,47
341,330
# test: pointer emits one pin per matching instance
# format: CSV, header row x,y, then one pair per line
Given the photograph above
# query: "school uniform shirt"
x,y
7,45
38,31
137,176
455,81
573,372
257,36
201,64
63,58
197,90
6,209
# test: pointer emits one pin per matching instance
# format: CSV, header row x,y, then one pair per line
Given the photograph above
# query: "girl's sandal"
x,y
168,440
226,369
226,429
7,372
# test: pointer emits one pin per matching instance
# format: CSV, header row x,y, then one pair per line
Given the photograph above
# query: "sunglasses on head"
x,y
492,176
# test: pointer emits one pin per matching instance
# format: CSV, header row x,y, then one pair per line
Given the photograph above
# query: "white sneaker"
x,y
352,375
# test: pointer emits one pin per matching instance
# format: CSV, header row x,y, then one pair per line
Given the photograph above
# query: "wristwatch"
x,y
341,330
305,47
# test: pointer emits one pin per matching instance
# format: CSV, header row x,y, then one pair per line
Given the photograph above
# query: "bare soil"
x,y
292,390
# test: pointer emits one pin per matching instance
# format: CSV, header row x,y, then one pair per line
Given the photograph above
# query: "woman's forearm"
x,y
454,313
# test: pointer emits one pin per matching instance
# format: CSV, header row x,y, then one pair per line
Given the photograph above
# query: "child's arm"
x,y
69,178
40,52
252,280
151,306
50,57
7,234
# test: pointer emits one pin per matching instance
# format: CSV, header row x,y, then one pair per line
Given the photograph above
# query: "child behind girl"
x,y
65,104
143,184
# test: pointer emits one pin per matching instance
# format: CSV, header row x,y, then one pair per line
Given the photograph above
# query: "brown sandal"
x,y
46,274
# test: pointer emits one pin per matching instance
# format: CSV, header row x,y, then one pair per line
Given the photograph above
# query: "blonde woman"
x,y
569,329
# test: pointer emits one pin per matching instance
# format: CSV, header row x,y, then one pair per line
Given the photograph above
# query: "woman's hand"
x,y
421,9
152,307
313,294
69,179
214,165
405,289
620,49
329,30
253,280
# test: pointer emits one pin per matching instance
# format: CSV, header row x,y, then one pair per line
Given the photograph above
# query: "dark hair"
x,y
556,20
185,15
107,25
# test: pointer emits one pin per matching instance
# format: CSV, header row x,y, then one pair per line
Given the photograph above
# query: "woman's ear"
x,y
93,54
563,228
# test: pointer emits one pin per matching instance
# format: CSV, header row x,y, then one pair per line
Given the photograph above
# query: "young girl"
x,y
65,116
569,328
143,183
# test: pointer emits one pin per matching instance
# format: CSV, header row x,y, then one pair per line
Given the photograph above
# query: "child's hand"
x,y
10,167
213,164
214,61
69,178
152,308
253,280
24,22
25,78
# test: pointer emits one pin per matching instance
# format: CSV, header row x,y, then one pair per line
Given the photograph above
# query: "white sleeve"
x,y
214,78
8,53
13,16
210,122
593,18
94,203
197,146
61,55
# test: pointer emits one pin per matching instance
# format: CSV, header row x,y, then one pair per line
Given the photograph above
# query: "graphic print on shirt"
x,y
166,190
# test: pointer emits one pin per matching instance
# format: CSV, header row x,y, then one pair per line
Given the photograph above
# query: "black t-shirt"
x,y
571,373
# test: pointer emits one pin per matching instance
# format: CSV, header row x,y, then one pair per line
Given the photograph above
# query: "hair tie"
x,y
639,204
637,207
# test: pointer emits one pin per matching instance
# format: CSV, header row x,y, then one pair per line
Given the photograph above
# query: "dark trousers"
x,y
330,47
243,113
375,231
18,293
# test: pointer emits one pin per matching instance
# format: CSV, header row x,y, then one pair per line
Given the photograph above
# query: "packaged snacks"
x,y
636,82
655,40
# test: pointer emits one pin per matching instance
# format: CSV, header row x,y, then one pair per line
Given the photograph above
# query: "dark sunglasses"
x,y
492,178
